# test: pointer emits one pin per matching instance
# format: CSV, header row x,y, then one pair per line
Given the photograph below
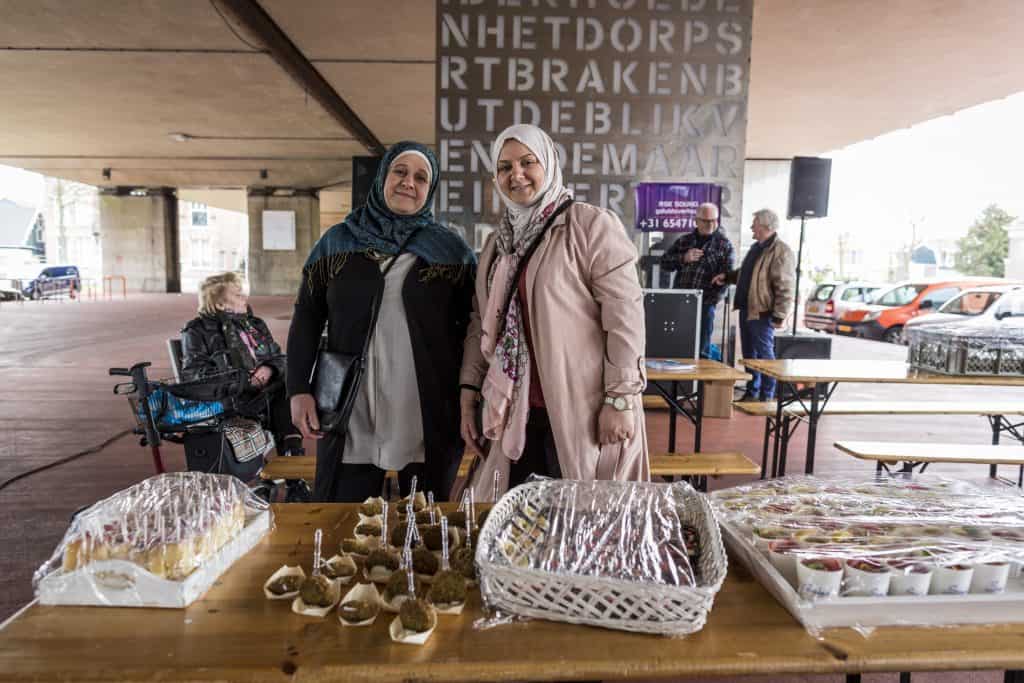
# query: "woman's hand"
x,y
467,404
615,426
304,416
261,376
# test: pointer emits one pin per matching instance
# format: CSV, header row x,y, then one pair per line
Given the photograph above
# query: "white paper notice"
x,y
279,231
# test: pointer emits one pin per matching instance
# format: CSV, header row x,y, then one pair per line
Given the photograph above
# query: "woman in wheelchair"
x,y
226,335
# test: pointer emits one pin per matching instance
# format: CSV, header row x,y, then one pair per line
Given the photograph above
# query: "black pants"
x,y
539,455
356,483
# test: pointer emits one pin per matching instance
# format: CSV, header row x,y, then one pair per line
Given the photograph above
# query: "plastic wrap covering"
x,y
631,556
969,348
847,552
161,542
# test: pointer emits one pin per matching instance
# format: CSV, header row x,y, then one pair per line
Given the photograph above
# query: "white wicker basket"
x,y
629,605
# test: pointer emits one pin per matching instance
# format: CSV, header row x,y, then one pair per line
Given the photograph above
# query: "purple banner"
x,y
671,207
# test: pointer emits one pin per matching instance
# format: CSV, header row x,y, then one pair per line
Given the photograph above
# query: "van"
x,y
52,281
831,299
884,318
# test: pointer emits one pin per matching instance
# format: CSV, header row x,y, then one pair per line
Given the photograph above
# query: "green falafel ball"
x,y
417,615
316,591
464,562
398,585
382,558
424,561
448,587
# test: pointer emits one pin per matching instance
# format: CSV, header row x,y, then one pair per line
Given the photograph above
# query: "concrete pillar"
x,y
1015,259
139,238
279,271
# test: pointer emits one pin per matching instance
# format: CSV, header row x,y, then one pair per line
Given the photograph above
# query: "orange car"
x,y
883,319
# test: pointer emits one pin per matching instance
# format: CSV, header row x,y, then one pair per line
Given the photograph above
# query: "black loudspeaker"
x,y
808,187
364,170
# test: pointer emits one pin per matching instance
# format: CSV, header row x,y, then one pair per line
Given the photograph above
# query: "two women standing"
x,y
554,344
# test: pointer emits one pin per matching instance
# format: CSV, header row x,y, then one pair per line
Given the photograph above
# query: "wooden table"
x,y
914,454
689,404
824,375
234,633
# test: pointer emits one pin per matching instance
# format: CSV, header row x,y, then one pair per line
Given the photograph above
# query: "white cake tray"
x,y
119,583
907,610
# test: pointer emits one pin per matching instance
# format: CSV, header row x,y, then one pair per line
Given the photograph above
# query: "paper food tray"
x,y
924,610
119,583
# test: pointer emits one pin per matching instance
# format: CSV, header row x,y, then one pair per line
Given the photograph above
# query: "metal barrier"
x,y
108,286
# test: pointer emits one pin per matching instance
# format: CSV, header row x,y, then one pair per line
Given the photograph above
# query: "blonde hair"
x,y
211,292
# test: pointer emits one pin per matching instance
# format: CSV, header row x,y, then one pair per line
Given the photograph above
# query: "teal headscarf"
x,y
375,226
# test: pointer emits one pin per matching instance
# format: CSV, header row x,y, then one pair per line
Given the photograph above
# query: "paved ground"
x,y
57,400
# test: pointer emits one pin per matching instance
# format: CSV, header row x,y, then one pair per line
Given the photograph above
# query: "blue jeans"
x,y
707,323
757,338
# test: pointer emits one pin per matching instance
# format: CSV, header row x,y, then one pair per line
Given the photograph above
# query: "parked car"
x,y
830,300
883,319
977,303
53,280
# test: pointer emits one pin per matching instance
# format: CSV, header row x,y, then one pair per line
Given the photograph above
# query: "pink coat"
x,y
587,322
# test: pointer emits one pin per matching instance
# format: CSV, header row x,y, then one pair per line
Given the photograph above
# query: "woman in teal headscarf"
x,y
406,414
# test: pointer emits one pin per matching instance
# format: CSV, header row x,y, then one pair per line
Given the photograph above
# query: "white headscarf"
x,y
519,223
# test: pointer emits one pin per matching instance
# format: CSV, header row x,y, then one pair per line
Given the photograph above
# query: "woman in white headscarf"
x,y
555,343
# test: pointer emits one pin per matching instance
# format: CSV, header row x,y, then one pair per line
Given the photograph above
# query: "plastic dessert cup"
x,y
909,578
954,579
819,578
866,578
781,555
990,577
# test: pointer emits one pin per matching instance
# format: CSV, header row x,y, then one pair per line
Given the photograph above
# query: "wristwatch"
x,y
620,403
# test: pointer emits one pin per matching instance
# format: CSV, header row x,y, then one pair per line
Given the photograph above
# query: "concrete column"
x,y
276,271
1015,259
139,238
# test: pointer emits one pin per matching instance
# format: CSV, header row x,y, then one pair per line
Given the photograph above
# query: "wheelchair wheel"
x,y
297,491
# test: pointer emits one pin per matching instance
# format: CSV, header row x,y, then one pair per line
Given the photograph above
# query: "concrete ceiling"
x,y
87,86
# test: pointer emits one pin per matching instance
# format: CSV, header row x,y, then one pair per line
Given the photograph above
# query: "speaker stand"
x,y
799,261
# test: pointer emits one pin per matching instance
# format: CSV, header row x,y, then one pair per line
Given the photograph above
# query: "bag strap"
x,y
525,260
375,305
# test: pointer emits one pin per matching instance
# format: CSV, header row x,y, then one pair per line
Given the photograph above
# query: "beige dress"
x,y
587,322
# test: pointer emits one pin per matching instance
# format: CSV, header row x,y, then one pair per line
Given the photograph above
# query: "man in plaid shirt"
x,y
698,257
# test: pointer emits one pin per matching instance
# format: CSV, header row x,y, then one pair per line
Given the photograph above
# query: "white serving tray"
x,y
119,583
906,610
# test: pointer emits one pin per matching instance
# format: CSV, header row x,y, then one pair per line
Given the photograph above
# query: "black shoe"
x,y
748,397
291,452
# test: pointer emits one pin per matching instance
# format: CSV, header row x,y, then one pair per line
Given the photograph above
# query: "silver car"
x,y
975,304
829,300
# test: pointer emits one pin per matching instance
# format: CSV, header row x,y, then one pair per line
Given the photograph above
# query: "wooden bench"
x,y
793,413
304,467
912,455
699,466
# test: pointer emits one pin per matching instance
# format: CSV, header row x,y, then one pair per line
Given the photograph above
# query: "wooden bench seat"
x,y
684,464
295,467
767,408
702,464
923,454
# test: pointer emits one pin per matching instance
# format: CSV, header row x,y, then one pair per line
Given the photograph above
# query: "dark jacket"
x,y
438,301
719,257
212,343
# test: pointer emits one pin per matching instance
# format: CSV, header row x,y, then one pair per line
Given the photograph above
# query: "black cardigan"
x,y
438,302
211,344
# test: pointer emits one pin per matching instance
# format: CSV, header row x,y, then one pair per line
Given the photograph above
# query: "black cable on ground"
x,y
62,461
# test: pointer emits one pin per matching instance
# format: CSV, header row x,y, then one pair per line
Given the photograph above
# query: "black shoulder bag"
x,y
337,375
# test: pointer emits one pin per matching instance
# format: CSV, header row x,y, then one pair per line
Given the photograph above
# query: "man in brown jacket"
x,y
764,297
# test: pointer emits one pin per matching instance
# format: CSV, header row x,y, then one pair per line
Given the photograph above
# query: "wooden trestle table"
x,y
820,378
689,404
234,633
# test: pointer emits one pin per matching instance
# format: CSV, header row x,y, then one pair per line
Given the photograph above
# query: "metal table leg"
x,y
699,422
672,419
817,392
